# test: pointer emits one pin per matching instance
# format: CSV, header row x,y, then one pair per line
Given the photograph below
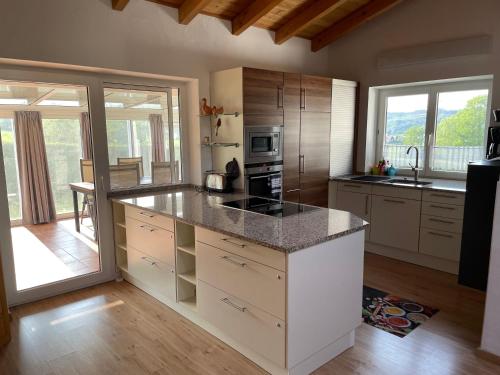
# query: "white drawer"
x,y
355,187
246,249
443,210
152,240
150,218
441,223
260,285
444,197
151,271
245,323
440,244
395,192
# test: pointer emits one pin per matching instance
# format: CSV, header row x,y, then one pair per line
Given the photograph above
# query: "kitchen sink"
x,y
370,178
399,181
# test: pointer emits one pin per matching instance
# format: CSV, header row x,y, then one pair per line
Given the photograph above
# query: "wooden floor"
x,y
117,329
46,253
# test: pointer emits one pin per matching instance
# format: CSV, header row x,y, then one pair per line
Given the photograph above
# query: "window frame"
x,y
432,89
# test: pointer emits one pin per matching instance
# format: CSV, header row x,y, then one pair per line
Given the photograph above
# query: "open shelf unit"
x,y
120,234
186,264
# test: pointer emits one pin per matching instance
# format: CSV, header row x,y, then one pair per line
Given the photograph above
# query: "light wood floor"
x,y
117,329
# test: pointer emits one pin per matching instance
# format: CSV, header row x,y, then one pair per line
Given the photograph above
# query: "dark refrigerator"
x,y
482,178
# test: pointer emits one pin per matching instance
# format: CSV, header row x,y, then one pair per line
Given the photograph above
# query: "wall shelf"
x,y
232,114
221,144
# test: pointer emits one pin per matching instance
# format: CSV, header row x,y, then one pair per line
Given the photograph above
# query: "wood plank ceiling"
x,y
321,21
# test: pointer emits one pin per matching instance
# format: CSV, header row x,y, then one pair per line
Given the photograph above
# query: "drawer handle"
x,y
232,304
231,260
148,228
353,186
233,243
147,214
441,221
394,201
441,234
152,262
443,207
443,196
291,191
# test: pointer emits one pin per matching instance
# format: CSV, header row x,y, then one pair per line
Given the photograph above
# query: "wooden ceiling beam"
x,y
190,9
119,4
251,14
309,14
350,22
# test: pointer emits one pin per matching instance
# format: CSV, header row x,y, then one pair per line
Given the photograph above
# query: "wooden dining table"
x,y
89,189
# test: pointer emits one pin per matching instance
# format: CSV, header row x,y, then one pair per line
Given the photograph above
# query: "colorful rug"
x,y
393,314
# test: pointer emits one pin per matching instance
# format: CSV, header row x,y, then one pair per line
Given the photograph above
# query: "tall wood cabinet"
x,y
307,116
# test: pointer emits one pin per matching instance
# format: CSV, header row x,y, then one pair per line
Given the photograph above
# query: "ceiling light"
x,y
60,103
14,101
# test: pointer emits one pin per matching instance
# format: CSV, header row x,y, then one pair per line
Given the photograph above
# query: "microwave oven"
x,y
263,144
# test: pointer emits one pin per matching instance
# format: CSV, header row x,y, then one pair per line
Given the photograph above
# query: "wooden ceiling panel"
x,y
328,20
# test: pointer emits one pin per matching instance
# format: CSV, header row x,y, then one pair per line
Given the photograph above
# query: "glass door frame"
x,y
107,271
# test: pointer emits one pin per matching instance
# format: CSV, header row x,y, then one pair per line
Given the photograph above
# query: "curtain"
x,y
37,202
157,137
86,136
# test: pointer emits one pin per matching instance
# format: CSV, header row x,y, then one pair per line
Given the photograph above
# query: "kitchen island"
x,y
283,291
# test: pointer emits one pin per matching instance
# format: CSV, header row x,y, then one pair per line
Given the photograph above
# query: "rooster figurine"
x,y
205,108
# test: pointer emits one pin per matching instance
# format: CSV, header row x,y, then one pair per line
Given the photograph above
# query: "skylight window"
x,y
60,103
147,106
113,105
14,101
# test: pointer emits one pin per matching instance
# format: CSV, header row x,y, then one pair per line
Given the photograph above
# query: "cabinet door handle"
x,y
441,221
302,164
366,204
443,196
147,214
441,234
281,94
227,240
394,201
147,227
353,186
231,260
303,98
292,191
443,207
227,301
152,262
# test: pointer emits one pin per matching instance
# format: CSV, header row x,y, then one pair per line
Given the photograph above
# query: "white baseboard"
x,y
414,258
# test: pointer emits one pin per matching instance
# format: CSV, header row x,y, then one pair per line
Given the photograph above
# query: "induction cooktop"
x,y
269,207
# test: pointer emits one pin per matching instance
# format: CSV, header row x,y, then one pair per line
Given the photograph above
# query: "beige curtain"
x,y
157,137
86,136
36,193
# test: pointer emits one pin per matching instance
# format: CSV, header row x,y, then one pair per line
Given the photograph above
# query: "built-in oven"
x,y
264,180
263,144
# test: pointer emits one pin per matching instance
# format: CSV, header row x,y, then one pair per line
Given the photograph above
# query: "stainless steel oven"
x,y
263,144
264,180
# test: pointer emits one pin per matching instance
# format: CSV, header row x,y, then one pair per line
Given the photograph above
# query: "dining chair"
x,y
134,160
124,175
161,172
87,175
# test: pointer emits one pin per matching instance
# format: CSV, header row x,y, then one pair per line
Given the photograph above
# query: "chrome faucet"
x,y
414,168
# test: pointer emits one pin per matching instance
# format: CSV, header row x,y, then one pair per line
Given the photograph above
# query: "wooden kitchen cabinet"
x,y
263,99
395,222
316,94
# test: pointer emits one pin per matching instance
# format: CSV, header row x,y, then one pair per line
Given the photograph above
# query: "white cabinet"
x,y
395,222
357,203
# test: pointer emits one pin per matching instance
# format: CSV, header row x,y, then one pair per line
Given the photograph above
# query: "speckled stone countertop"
x,y
287,234
437,184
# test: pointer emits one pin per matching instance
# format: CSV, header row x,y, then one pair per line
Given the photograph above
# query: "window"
x,y
64,150
129,113
447,121
10,164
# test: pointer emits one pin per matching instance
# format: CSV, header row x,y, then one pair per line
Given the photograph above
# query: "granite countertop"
x,y
455,186
287,234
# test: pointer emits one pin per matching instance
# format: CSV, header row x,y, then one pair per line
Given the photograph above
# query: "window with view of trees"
x,y
447,122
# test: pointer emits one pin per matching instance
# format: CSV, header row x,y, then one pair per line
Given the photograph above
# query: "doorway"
x,y
47,155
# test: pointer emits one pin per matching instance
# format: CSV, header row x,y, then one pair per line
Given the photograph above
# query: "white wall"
x,y
412,23
145,37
